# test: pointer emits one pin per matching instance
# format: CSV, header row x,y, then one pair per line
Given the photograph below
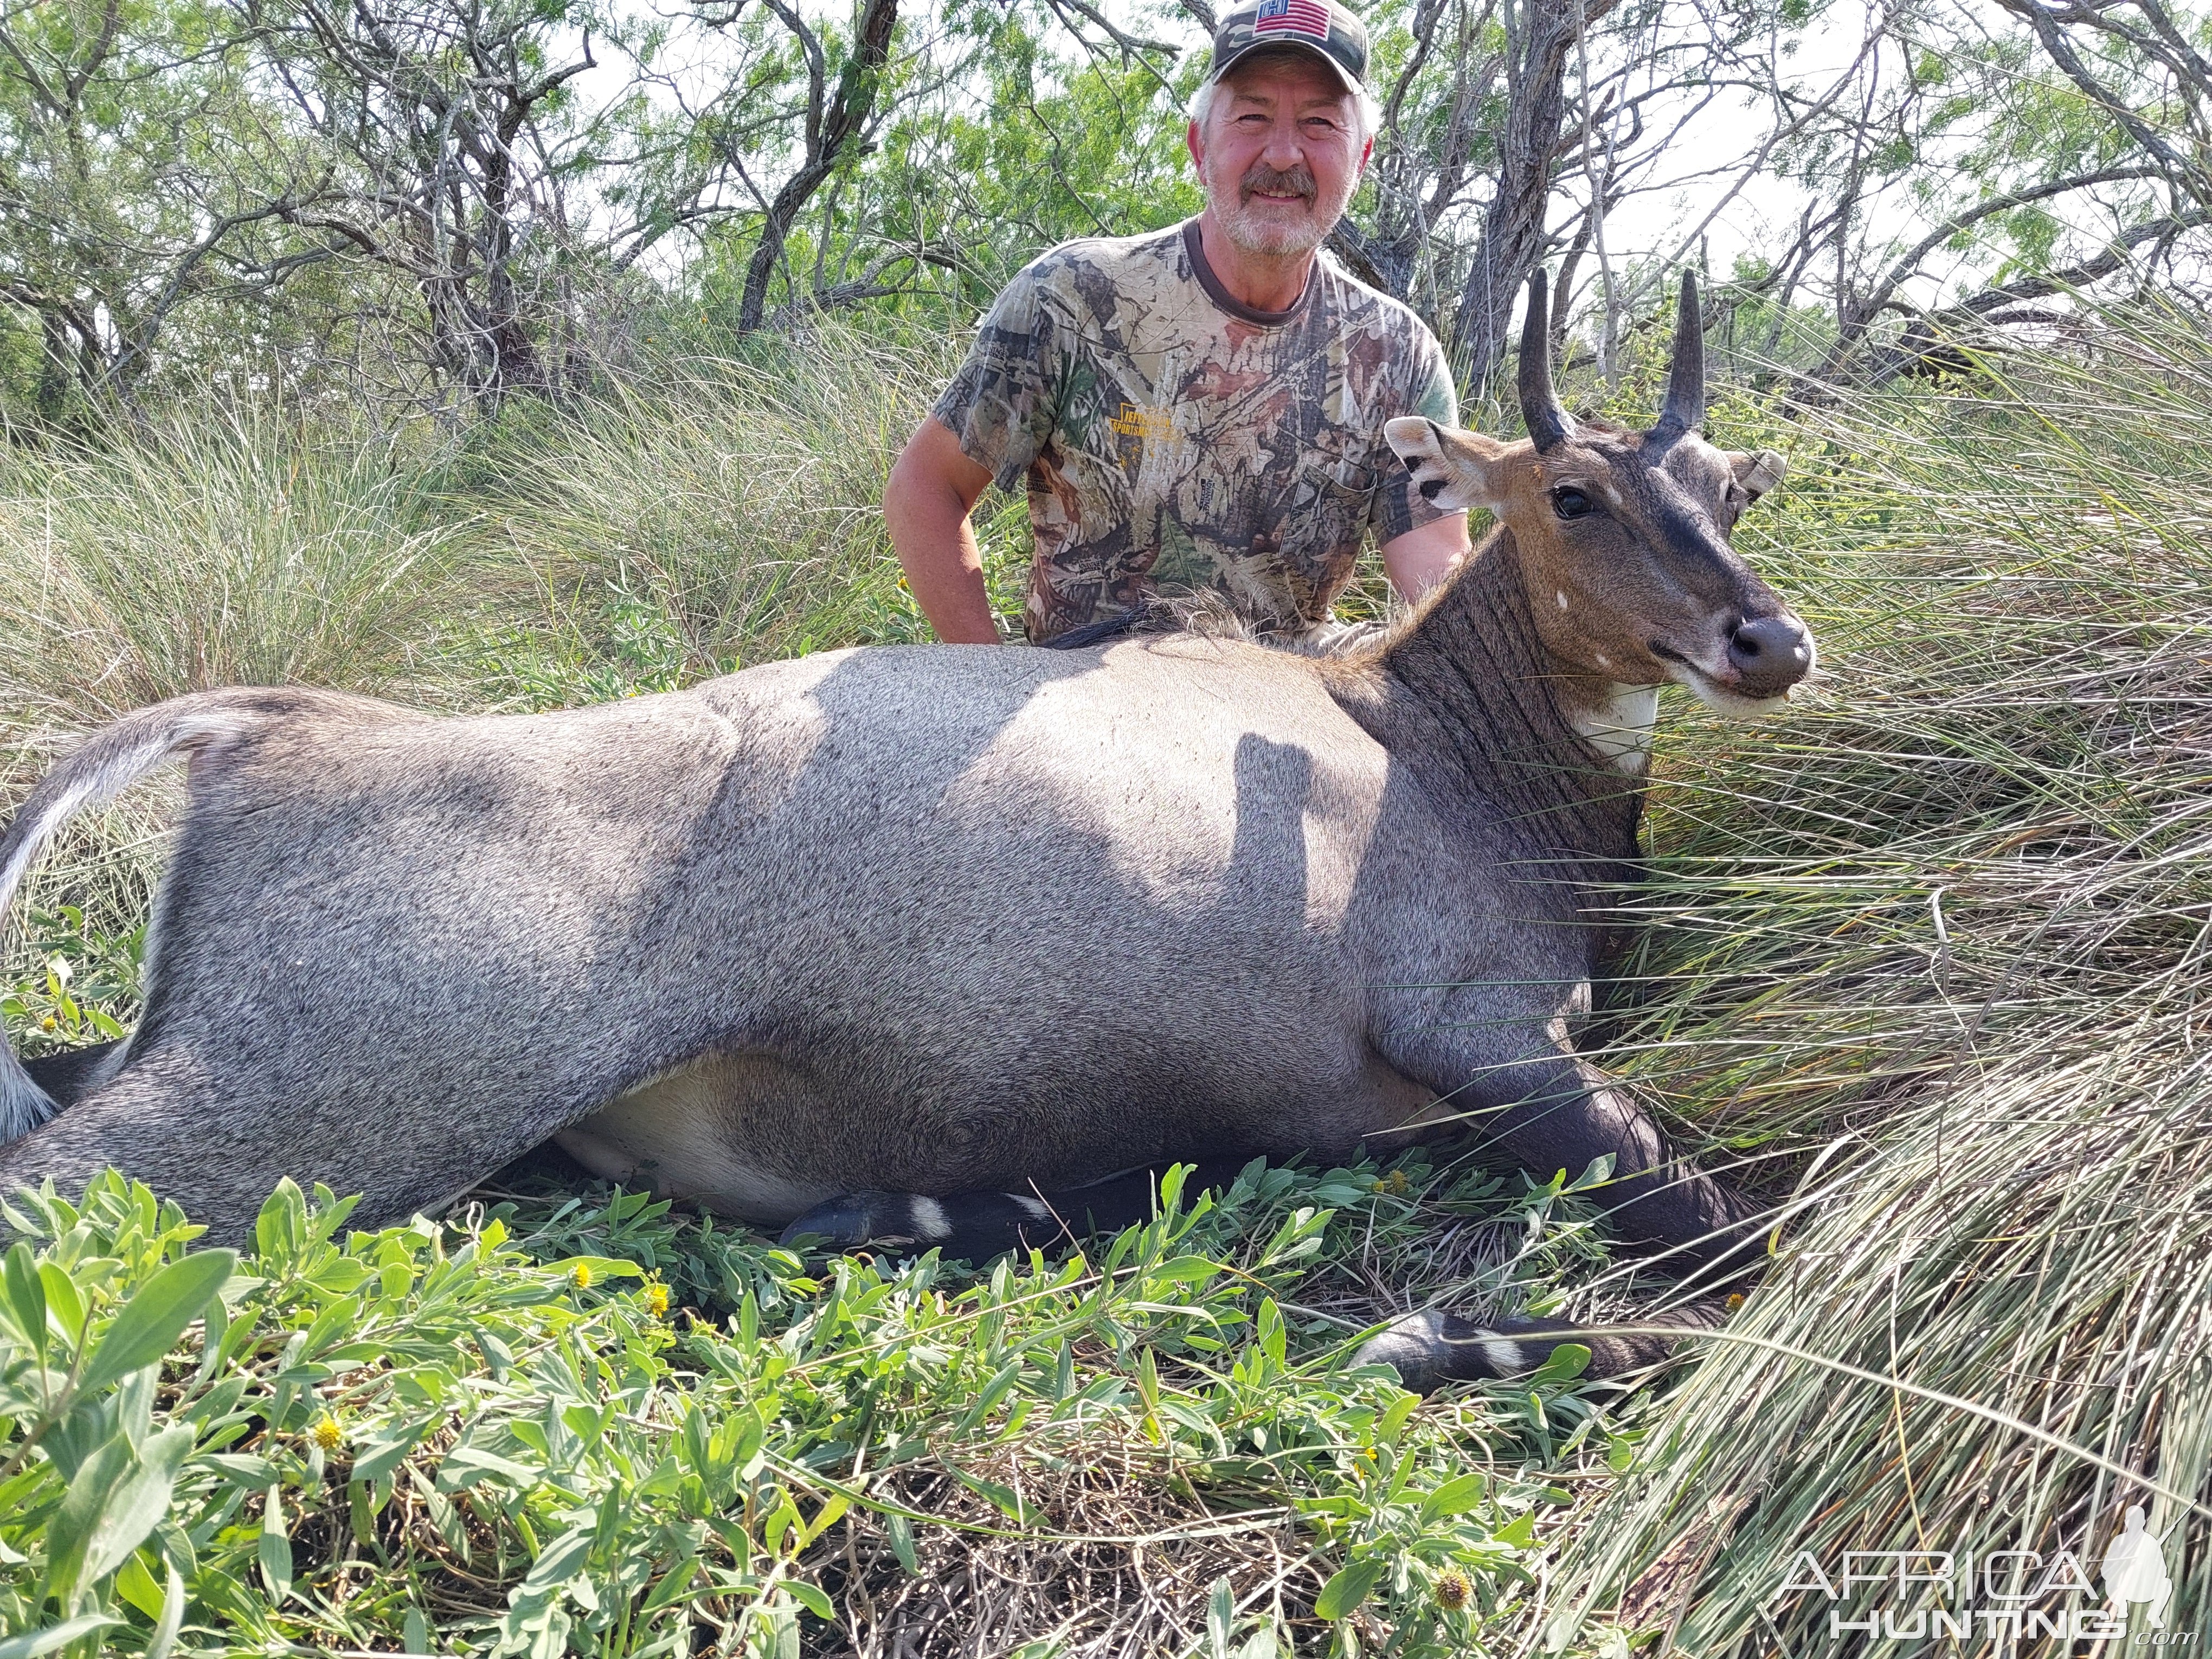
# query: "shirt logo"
x,y
1292,17
1144,425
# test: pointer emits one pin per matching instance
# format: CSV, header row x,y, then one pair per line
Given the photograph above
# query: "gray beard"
x,y
1273,237
1251,233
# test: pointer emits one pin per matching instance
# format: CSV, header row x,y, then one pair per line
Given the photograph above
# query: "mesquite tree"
x,y
437,112
450,203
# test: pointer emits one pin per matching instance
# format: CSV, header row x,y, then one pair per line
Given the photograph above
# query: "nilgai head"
x,y
1623,537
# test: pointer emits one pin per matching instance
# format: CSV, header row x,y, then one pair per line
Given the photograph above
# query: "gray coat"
x,y
921,919
940,919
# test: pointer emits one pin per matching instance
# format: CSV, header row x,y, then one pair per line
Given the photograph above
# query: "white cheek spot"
x,y
1612,495
1561,596
1037,1209
1604,661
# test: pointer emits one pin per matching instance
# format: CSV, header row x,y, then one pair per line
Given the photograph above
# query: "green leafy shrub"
x,y
485,1437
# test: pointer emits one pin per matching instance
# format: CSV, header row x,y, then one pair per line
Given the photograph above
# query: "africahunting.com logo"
x,y
2003,1597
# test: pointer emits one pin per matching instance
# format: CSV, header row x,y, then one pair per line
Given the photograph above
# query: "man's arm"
x,y
1417,561
933,487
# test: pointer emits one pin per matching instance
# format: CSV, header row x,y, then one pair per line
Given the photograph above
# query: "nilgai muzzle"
x,y
908,942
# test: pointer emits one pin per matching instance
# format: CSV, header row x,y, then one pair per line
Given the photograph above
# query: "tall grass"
x,y
219,548
1942,937
722,513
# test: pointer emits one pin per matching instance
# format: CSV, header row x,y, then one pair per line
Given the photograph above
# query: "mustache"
x,y
1261,177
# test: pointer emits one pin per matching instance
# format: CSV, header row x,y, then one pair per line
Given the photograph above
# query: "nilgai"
x,y
910,943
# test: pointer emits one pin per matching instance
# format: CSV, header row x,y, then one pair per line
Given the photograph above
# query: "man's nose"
x,y
1285,147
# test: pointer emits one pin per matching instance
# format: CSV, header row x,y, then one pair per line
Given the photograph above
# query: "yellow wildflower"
x,y
1453,1591
326,1434
580,1275
656,1300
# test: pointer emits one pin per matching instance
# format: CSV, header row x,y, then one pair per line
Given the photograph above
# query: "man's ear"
x,y
1194,142
1757,472
1452,469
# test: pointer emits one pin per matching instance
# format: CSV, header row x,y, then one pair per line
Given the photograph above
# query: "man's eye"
x,y
1569,502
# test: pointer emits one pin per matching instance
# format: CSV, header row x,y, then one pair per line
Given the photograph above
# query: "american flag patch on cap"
x,y
1292,17
1323,26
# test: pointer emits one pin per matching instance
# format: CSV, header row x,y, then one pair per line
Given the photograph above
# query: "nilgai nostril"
x,y
1770,654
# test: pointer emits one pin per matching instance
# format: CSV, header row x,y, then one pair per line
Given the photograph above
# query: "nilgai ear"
x,y
1451,468
1757,472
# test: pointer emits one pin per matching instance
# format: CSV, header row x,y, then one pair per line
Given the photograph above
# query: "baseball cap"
x,y
1320,26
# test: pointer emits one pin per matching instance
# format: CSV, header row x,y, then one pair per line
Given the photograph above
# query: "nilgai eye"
x,y
1569,502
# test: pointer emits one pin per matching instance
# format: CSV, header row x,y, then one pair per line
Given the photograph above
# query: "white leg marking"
x,y
1504,1357
929,1221
1037,1208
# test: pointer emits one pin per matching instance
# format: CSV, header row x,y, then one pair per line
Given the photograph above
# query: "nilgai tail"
x,y
102,767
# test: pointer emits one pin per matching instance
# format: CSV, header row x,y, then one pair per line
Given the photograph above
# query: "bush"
x,y
624,1431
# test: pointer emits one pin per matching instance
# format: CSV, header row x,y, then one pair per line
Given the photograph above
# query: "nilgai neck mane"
x,y
1470,696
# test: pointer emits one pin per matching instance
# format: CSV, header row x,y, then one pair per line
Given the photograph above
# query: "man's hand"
x,y
1417,561
933,487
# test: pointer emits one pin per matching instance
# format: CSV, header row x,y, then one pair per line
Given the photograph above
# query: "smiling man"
x,y
1199,409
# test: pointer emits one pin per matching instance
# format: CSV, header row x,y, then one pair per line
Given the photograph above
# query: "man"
x,y
1200,408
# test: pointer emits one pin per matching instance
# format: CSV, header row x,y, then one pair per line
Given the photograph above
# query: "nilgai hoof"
x,y
1431,1348
892,1221
965,1226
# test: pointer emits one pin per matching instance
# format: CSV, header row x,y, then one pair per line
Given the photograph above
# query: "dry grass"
x,y
1941,938
1145,1556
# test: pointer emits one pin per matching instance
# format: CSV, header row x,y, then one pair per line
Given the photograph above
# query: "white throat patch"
x,y
1620,727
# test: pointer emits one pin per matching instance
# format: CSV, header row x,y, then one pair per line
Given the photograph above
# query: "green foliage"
x,y
88,984
534,1448
110,162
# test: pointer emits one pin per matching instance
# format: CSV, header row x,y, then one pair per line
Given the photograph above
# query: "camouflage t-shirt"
x,y
1174,440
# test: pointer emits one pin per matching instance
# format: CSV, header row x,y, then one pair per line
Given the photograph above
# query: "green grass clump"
x,y
1933,948
222,548
722,514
